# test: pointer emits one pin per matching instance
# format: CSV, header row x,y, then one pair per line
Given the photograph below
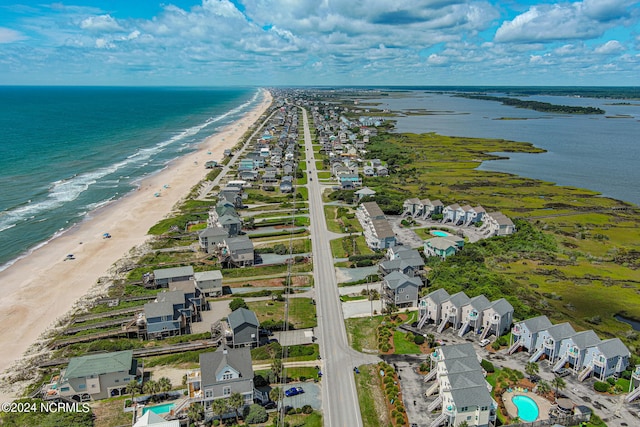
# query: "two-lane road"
x,y
339,396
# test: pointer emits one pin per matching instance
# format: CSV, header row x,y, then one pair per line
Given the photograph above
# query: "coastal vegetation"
x,y
573,247
544,107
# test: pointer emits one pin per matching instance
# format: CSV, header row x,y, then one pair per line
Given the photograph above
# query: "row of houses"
x,y
584,353
464,314
464,395
493,223
377,230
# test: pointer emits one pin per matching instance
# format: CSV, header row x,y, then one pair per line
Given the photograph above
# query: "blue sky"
x,y
320,42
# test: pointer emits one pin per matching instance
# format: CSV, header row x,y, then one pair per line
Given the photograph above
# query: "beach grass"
x,y
302,314
368,386
362,333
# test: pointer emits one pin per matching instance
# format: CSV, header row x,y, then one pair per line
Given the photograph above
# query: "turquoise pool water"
x,y
439,233
527,408
159,409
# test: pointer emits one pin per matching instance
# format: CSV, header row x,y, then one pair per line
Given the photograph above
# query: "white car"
x,y
484,342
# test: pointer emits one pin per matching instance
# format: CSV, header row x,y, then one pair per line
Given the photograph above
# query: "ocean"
x,y
596,152
66,151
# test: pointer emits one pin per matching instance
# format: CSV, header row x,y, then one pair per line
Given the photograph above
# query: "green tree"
x,y
236,401
255,414
237,303
151,387
132,388
164,385
559,384
219,407
195,413
544,387
275,394
531,368
276,368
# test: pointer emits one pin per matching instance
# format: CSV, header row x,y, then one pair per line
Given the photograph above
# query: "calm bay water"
x,y
67,151
587,151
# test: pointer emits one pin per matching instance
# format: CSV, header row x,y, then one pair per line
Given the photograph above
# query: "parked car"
x,y
270,405
484,342
563,372
293,391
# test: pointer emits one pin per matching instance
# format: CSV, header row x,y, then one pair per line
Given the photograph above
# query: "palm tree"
x,y
531,368
132,388
219,408
275,394
236,401
196,413
559,384
544,387
164,384
276,368
150,387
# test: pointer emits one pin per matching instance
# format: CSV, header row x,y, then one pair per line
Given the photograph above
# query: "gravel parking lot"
x,y
311,396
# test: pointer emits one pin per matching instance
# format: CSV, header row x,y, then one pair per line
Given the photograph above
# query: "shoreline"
x,y
41,289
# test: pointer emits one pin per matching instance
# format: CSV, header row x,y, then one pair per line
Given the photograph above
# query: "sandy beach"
x,y
40,289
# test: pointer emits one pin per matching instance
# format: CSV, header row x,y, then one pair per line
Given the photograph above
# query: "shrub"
x,y
255,414
495,345
237,303
487,366
418,339
611,381
601,387
307,409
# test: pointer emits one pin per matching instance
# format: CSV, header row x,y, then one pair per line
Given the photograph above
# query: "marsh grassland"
x,y
575,257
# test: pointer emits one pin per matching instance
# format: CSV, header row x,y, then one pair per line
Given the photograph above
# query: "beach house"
x,y
412,207
605,359
525,334
499,224
237,252
497,318
452,311
210,237
464,395
549,340
472,314
404,260
377,230
244,327
167,316
430,307
209,282
573,350
400,290
452,213
442,247
164,276
222,373
96,376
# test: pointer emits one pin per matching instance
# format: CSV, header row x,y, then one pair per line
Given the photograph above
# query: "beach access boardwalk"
x,y
151,351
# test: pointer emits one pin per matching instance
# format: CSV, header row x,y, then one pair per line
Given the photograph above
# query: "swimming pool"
x,y
439,233
159,409
527,408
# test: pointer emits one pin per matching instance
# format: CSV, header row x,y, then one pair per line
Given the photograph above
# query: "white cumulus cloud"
x,y
101,23
612,46
7,35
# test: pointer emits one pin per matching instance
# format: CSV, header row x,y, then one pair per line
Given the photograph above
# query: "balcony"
x,y
495,320
516,330
549,343
473,315
449,410
436,356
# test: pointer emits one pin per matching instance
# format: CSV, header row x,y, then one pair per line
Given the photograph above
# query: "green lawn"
x,y
402,345
302,314
324,175
343,247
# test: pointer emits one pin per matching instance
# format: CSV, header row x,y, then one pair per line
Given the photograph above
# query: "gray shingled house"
x,y
245,328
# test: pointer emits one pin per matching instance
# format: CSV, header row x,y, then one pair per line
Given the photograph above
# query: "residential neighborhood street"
x,y
339,396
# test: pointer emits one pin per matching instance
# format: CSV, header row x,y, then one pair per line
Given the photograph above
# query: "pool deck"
x,y
544,406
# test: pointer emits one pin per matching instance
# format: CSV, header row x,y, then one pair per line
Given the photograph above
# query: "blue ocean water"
x,y
596,152
65,151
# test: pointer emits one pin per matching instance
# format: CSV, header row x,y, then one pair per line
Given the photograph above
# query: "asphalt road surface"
x,y
339,396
